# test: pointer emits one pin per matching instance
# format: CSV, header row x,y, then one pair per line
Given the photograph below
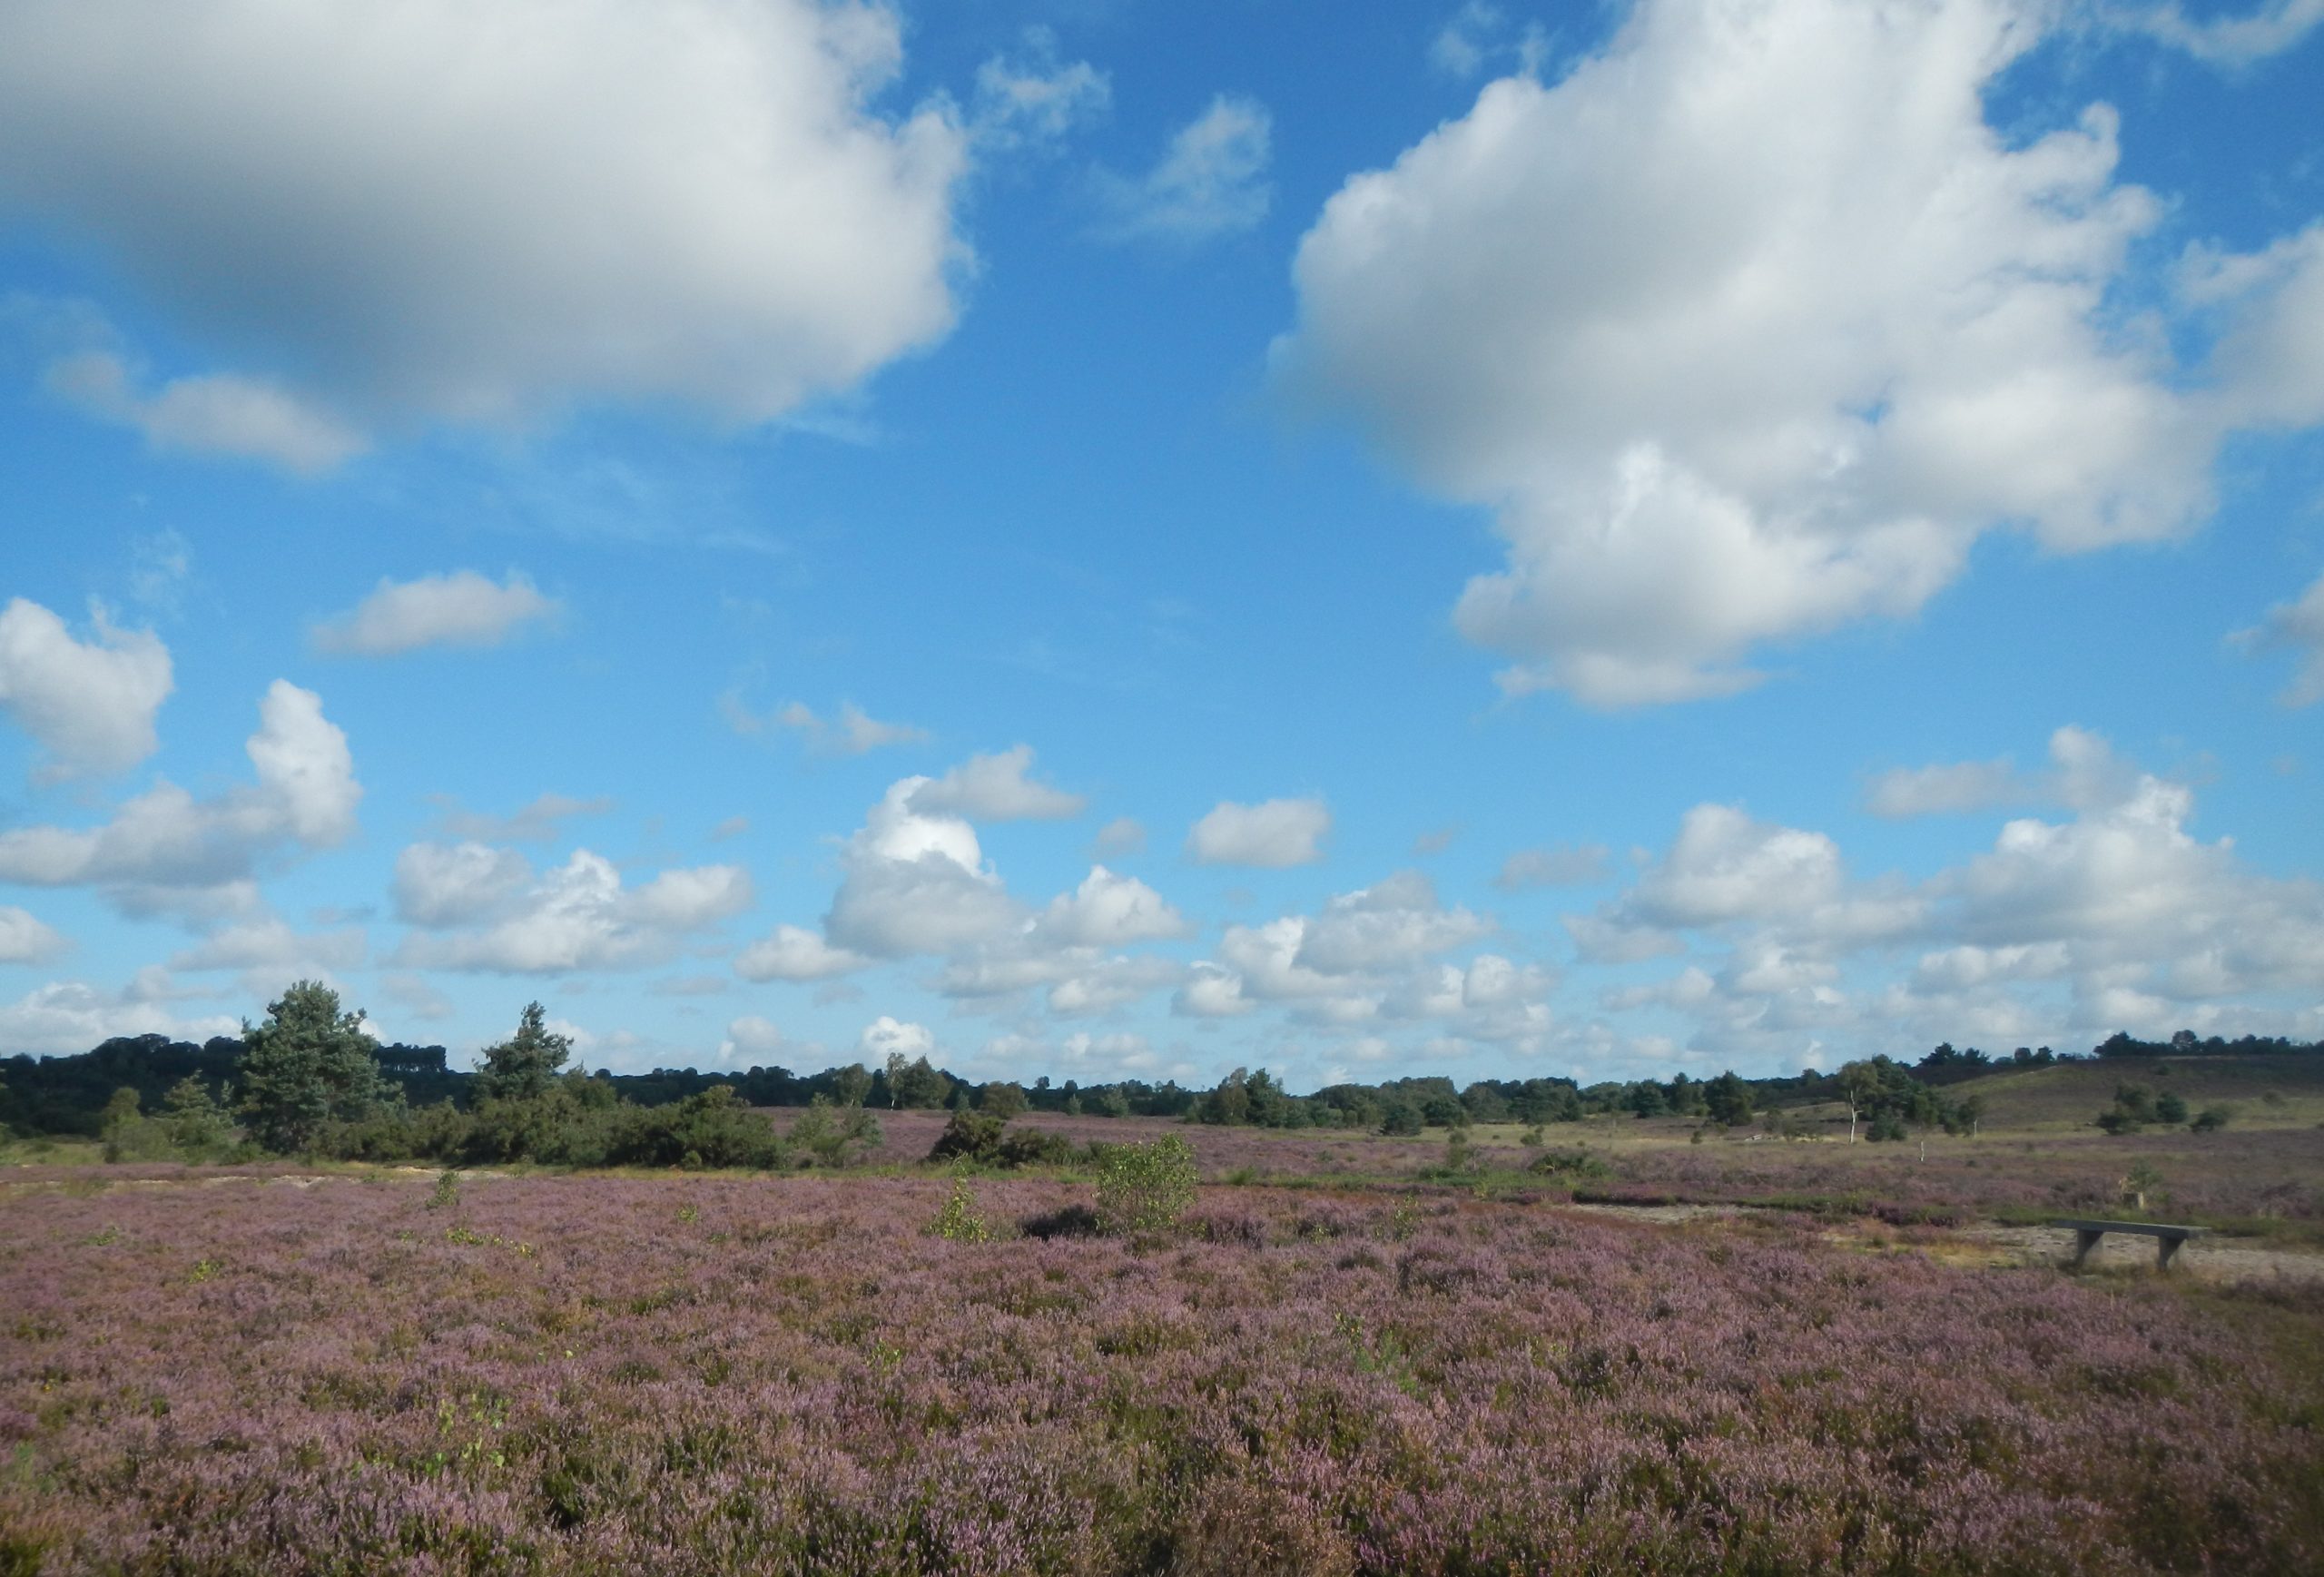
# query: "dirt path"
x,y
2212,1258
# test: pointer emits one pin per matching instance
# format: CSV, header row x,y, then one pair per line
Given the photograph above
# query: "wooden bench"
x,y
2086,1235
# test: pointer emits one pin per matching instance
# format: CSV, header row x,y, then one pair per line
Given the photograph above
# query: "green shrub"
x,y
959,1220
1145,1187
2213,1118
835,1135
1572,1163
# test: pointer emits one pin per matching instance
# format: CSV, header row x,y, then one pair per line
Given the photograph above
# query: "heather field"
x,y
2255,1179
212,1374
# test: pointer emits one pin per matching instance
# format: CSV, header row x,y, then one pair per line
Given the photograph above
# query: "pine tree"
x,y
521,1067
308,1065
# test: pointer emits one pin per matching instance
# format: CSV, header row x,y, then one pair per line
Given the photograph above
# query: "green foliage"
x,y
1400,1118
127,1133
447,1193
522,1066
835,1135
306,1067
1145,1187
2170,1108
851,1084
980,1139
915,1084
2213,1118
1727,1100
197,1123
960,1221
1573,1164
1002,1100
2134,1108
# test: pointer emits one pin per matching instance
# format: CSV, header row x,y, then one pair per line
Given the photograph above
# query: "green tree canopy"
x,y
521,1067
307,1066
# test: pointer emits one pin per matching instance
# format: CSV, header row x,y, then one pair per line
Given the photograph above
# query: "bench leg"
x,y
2165,1247
2083,1242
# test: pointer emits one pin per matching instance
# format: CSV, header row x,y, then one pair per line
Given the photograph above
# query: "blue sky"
x,y
1108,539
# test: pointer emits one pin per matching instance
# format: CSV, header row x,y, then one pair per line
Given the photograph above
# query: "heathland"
x,y
1621,1343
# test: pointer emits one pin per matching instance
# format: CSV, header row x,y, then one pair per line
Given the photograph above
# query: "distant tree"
x,y
522,1066
1003,1101
2170,1108
1443,1111
1112,1101
1401,1117
1486,1103
1859,1086
851,1084
1728,1100
1646,1099
306,1067
916,1084
197,1125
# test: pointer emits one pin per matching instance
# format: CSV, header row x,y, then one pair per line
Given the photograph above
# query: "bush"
x,y
1401,1120
1145,1187
2211,1118
1577,1164
959,1221
2169,1108
835,1135
982,1139
968,1136
712,1128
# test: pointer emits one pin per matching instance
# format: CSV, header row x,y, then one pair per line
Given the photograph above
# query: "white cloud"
x,y
1110,911
1210,181
1950,789
885,1036
68,1016
460,609
269,944
1122,836
2296,627
166,850
26,939
795,953
431,212
1211,992
2269,29
2269,365
1275,833
1730,375
1478,36
1392,924
916,883
90,704
219,413
750,1040
537,822
854,733
575,916
438,885
994,788
1561,865
2117,918
2084,775
1036,100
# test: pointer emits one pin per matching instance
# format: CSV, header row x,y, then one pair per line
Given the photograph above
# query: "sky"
x,y
1102,539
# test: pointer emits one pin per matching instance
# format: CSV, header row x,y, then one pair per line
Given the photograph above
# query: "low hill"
x,y
2264,1091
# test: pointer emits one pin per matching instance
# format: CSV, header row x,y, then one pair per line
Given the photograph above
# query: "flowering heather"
x,y
780,1374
